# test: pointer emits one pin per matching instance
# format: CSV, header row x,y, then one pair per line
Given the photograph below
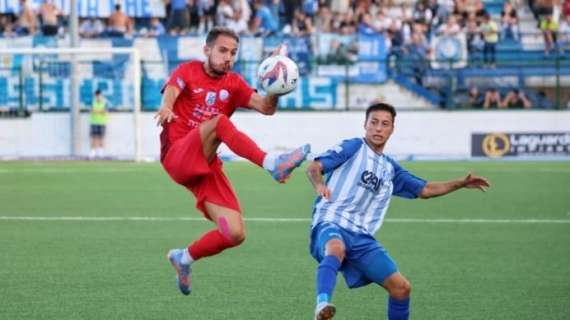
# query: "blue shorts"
x,y
97,130
366,261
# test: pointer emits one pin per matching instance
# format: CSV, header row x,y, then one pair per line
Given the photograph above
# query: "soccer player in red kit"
x,y
198,100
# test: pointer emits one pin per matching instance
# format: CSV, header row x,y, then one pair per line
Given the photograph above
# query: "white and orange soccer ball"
x,y
278,75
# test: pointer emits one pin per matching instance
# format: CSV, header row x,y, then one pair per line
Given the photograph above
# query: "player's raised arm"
x,y
264,104
276,70
166,112
436,189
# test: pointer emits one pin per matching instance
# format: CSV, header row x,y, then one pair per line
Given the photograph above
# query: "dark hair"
x,y
220,31
379,106
98,91
117,7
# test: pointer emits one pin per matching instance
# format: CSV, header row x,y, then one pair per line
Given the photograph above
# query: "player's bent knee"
x,y
335,247
236,237
401,290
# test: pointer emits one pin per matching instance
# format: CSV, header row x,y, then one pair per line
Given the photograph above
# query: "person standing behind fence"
x,y
490,31
98,122
49,18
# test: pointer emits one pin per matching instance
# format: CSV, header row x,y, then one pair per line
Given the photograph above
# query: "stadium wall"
x,y
420,134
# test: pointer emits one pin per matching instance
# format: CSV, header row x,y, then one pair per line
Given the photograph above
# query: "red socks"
x,y
211,243
238,141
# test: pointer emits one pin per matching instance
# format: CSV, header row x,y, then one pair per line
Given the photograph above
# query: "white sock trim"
x,y
269,162
186,257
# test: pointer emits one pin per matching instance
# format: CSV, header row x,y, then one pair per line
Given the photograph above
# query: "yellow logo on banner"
x,y
496,144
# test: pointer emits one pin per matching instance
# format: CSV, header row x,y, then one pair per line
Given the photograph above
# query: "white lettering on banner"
x,y
313,92
95,8
533,140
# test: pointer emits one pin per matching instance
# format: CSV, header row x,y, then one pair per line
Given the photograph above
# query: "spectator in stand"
x,y
467,7
156,28
346,25
238,23
49,15
475,99
492,99
324,20
224,13
382,23
549,28
91,28
207,14
310,8
6,25
422,14
396,38
475,41
415,54
509,22
302,24
365,24
444,9
27,23
288,9
450,28
120,24
490,32
564,33
179,17
566,8
266,20
542,8
516,99
339,6
244,8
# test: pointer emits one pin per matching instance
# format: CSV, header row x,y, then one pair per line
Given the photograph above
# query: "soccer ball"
x,y
278,75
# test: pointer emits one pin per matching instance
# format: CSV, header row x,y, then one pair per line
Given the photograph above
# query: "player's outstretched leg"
x,y
183,270
325,311
285,163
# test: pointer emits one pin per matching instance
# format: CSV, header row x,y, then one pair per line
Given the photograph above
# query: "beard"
x,y
217,70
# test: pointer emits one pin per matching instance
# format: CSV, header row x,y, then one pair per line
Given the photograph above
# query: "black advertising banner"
x,y
498,145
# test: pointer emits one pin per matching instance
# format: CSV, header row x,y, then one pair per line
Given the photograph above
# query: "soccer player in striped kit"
x,y
198,101
351,205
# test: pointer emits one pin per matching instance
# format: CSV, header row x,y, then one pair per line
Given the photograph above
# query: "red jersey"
x,y
201,98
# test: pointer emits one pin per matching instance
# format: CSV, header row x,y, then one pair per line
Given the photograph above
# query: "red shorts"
x,y
186,164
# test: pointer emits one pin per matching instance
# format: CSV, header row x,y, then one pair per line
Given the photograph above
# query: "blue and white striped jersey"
x,y
361,183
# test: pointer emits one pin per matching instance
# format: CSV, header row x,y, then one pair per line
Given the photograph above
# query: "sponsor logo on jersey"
x,y
370,181
197,90
210,98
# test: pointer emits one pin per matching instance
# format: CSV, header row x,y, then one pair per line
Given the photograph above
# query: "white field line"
x,y
283,220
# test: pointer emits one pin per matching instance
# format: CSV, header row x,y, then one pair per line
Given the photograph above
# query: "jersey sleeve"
x,y
242,93
177,79
336,156
406,185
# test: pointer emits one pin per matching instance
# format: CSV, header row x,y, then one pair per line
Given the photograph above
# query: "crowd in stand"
x,y
407,25
397,19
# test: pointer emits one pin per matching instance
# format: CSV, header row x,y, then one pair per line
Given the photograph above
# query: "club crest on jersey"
x,y
273,74
224,94
370,181
210,98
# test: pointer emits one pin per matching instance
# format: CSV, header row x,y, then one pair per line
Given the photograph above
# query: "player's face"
x,y
221,56
379,127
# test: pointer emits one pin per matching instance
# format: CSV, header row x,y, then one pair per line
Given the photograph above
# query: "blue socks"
x,y
326,278
398,309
